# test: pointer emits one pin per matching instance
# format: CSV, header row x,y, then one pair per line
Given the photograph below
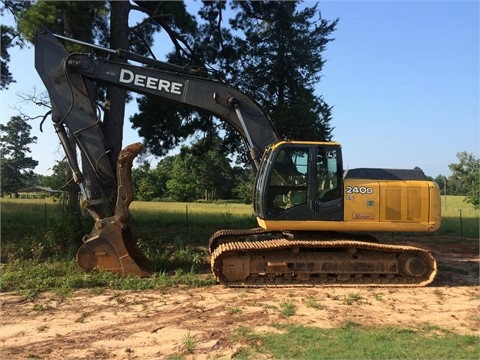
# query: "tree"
x,y
244,183
278,63
441,181
16,166
9,38
60,177
276,59
107,24
215,178
6,42
203,170
279,47
163,174
467,174
183,184
146,183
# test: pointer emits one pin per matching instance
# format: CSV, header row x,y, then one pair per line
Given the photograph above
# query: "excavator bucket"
x,y
110,246
115,250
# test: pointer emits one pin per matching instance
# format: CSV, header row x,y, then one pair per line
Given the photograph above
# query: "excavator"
x,y
317,221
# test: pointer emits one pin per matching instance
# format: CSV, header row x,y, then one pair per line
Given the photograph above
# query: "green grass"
x,y
188,343
21,217
452,203
173,235
314,303
63,277
351,298
353,341
288,308
203,215
459,218
26,216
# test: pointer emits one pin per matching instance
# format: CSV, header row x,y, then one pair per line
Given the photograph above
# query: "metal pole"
x,y
445,192
75,41
461,226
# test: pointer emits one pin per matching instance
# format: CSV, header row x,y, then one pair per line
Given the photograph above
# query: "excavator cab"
x,y
300,181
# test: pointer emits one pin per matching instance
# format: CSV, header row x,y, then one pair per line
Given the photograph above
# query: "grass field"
x,y
23,217
203,215
459,218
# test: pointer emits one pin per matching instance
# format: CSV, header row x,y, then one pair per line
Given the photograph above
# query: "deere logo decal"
x,y
129,77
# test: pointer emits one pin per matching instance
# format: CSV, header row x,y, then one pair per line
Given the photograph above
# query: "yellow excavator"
x,y
315,218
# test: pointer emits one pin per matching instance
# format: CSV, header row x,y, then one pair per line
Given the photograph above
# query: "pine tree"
x,y
16,166
275,57
279,61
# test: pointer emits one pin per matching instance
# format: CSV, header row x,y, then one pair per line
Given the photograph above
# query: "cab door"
x,y
300,181
327,190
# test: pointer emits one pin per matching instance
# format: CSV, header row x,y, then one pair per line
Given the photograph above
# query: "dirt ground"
x,y
159,324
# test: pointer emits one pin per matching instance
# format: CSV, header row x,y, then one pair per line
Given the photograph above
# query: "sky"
x,y
402,77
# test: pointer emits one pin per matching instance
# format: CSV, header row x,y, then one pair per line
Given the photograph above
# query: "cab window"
x,y
327,175
288,182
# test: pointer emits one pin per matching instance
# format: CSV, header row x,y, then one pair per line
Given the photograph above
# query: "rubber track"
x,y
282,243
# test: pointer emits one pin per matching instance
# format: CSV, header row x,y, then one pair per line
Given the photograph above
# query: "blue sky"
x,y
403,77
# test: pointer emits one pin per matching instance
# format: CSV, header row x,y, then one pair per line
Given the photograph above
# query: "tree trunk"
x,y
116,97
115,100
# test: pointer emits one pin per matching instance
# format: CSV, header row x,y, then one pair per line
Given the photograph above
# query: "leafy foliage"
x,y
9,38
201,171
6,42
213,172
16,166
278,63
182,185
466,173
64,277
61,175
276,59
82,20
165,126
145,183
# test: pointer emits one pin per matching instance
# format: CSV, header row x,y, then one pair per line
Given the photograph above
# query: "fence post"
x,y
461,226
45,213
186,216
445,192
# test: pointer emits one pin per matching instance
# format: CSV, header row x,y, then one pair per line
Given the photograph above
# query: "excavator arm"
x,y
75,118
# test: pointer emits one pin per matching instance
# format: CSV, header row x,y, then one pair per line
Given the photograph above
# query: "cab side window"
x,y
327,175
